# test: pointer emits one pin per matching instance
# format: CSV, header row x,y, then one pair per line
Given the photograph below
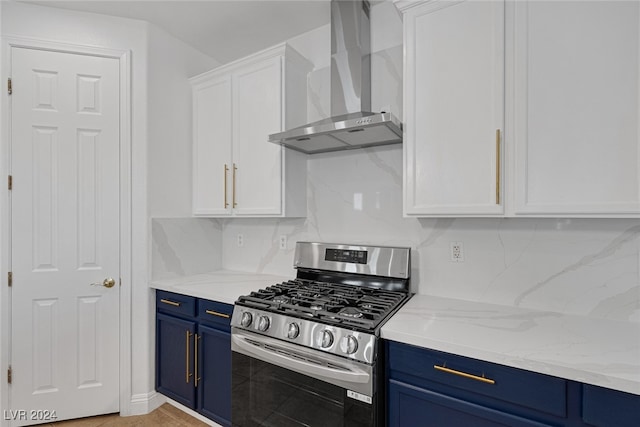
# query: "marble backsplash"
x,y
576,266
185,246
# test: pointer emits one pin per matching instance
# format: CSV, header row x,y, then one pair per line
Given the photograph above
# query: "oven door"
x,y
280,384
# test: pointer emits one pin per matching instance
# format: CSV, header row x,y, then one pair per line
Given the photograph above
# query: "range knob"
x,y
327,339
263,323
246,319
349,344
293,331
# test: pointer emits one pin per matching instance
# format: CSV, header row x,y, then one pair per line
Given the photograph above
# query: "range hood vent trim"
x,y
351,124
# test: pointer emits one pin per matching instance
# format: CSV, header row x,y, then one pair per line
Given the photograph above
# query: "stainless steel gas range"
x,y
306,352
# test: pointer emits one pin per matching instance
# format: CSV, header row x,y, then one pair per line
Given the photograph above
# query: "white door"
x,y
64,234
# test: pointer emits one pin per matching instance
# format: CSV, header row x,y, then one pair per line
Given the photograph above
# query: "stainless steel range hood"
x,y
351,125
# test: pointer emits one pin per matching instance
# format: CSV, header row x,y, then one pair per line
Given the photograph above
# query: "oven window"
x,y
268,395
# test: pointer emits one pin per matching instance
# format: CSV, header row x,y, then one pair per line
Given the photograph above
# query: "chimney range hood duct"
x,y
351,125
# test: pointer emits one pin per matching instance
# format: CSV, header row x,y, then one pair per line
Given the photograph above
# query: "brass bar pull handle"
x,y
498,166
197,378
226,171
173,303
463,374
188,374
215,313
233,200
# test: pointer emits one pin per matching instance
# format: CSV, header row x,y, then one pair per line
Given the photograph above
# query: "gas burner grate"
x,y
332,303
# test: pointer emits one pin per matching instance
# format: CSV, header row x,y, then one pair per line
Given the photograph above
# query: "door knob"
x,y
109,282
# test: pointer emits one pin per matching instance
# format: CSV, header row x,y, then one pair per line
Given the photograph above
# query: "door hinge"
x,y
120,281
9,87
10,279
9,374
10,179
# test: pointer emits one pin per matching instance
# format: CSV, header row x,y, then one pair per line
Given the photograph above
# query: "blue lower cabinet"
x,y
174,358
429,388
418,407
193,353
602,407
214,364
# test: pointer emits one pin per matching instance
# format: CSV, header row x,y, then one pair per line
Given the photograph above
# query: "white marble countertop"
x,y
594,351
221,285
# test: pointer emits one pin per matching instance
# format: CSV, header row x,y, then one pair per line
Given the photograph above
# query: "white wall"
x,y
171,63
581,266
161,141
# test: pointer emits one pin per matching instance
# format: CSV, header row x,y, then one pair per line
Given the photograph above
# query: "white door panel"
x,y
212,148
454,104
259,175
65,233
577,145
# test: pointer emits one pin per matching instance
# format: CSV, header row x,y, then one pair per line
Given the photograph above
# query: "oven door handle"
x,y
283,358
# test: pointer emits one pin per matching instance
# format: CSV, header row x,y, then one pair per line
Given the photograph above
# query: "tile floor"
x,y
166,415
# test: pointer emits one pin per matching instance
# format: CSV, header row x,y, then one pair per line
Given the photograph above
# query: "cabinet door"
x,y
214,366
257,111
175,359
413,406
212,167
603,407
576,130
454,107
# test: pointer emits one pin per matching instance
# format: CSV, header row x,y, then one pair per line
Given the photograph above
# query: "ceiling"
x,y
223,29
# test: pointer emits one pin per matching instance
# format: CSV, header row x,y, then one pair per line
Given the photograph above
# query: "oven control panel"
x,y
343,342
343,255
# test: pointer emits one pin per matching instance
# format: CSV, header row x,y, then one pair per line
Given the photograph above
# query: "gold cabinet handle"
x,y
233,200
226,171
173,303
215,313
463,374
498,166
197,378
188,375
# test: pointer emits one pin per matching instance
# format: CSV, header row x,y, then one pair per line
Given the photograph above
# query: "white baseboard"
x,y
144,403
191,412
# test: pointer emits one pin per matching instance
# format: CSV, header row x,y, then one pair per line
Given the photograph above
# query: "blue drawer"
x,y
413,406
176,304
213,312
602,407
424,368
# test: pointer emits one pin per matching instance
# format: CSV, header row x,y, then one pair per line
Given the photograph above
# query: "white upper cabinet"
x,y
454,108
258,163
567,74
576,98
212,130
237,172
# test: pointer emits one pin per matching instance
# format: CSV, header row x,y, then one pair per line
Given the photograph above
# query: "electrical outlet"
x,y
457,252
240,240
283,242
